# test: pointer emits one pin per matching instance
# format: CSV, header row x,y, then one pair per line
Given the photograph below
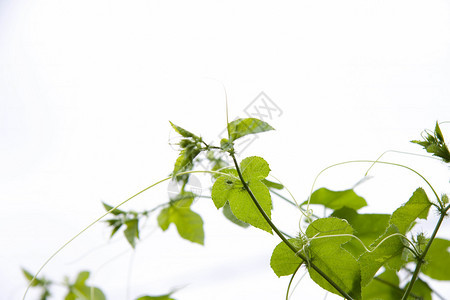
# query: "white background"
x,y
87,89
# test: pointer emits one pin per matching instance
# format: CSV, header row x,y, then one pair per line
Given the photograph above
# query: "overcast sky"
x,y
87,89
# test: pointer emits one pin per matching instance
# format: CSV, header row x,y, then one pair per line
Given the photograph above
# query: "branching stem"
x,y
421,258
282,237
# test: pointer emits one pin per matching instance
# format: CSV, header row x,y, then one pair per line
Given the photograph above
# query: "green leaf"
x,y
437,264
325,251
284,261
416,207
273,185
183,131
185,160
337,199
435,144
132,231
230,188
116,228
81,278
114,212
242,127
367,227
229,215
164,218
183,199
80,291
29,277
38,282
189,224
392,252
383,287
389,253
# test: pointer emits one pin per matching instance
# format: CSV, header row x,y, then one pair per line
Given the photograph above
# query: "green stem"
x,y
421,258
100,218
441,206
292,279
282,237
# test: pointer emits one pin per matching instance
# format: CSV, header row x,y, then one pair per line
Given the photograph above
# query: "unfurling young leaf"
x,y
192,146
183,131
337,199
229,188
242,127
435,144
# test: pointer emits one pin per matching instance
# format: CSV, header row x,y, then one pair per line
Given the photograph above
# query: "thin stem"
x,y
380,162
303,211
421,258
290,281
100,218
282,237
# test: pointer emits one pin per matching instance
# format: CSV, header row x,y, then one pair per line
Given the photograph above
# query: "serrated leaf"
x,y
388,253
230,188
283,260
328,255
437,264
229,215
383,287
367,227
189,224
132,231
337,199
183,131
242,127
417,207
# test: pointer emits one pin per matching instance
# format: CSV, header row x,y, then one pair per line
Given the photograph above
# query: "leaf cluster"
x,y
434,143
349,253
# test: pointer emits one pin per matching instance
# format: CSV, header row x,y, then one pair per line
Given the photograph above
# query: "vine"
x,y
343,252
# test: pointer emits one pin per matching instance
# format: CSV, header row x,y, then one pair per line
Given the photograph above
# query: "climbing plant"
x,y
352,254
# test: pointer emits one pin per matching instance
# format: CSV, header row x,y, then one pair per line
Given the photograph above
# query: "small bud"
x,y
444,199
